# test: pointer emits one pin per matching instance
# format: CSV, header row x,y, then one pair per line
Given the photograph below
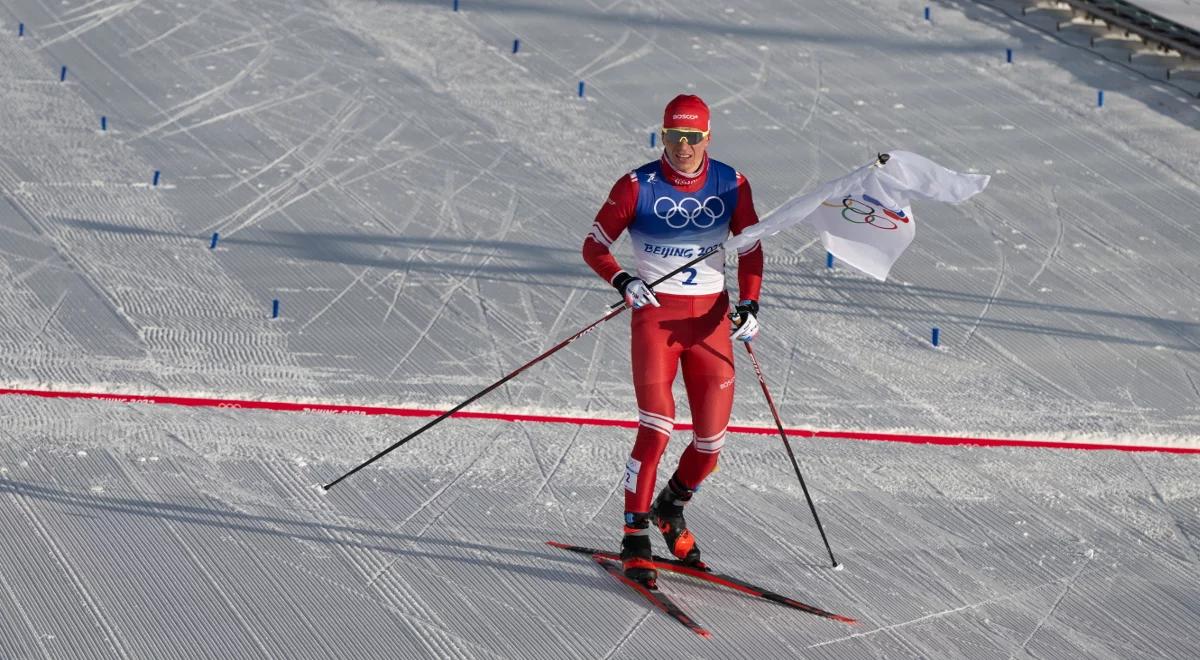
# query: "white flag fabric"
x,y
865,218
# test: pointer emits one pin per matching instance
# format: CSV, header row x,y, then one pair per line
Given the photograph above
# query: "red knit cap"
x,y
686,111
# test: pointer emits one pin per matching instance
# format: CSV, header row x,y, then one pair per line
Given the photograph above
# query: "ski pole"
x,y
783,436
615,308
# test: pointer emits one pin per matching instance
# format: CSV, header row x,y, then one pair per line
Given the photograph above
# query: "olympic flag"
x,y
865,217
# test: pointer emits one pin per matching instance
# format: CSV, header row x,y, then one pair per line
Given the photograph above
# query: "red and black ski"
x,y
656,597
708,575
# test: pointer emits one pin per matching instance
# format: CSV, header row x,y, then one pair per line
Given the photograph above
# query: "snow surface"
x,y
415,195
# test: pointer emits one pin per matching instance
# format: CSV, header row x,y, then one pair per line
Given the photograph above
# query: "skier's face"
x,y
686,157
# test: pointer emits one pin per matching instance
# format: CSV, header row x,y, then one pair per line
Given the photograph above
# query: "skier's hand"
x,y
745,320
637,295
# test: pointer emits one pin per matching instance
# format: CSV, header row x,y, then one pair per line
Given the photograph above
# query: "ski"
x,y
708,575
656,597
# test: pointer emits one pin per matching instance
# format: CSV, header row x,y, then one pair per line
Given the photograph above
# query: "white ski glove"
x,y
637,295
745,320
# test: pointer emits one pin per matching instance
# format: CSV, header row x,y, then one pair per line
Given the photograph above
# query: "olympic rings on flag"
x,y
689,209
853,211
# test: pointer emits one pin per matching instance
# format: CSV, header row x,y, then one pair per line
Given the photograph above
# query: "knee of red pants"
x,y
709,379
641,471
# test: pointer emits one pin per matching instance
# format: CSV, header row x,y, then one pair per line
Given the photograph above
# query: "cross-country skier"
x,y
676,208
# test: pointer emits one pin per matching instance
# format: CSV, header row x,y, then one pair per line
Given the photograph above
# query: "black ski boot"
x,y
667,512
636,557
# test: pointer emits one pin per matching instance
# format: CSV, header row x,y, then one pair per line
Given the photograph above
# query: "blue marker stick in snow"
x,y
927,14
20,29
516,45
653,139
275,308
1100,99
580,89
62,75
829,260
936,336
1008,55
103,123
157,176
215,238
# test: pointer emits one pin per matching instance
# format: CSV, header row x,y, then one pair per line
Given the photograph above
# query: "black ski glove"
x,y
745,320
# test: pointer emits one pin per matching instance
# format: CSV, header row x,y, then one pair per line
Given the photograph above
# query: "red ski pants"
x,y
692,331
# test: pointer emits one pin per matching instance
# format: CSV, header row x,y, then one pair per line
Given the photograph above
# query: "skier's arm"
x,y
750,258
612,219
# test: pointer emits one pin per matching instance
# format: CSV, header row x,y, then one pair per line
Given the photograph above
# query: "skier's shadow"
x,y
78,505
586,572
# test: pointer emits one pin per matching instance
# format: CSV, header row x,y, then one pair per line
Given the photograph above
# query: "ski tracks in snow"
x,y
49,317
996,289
30,628
1187,542
201,101
449,292
1062,229
547,475
1054,607
90,19
936,615
212,581
423,617
358,278
633,628
284,194
101,621
1192,382
758,80
140,487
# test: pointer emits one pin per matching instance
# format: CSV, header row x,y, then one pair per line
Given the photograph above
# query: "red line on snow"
x,y
587,421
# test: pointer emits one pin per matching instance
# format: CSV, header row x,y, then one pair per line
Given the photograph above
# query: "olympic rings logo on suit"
x,y
677,215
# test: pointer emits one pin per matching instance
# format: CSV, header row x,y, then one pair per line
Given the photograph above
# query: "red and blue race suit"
x,y
672,218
